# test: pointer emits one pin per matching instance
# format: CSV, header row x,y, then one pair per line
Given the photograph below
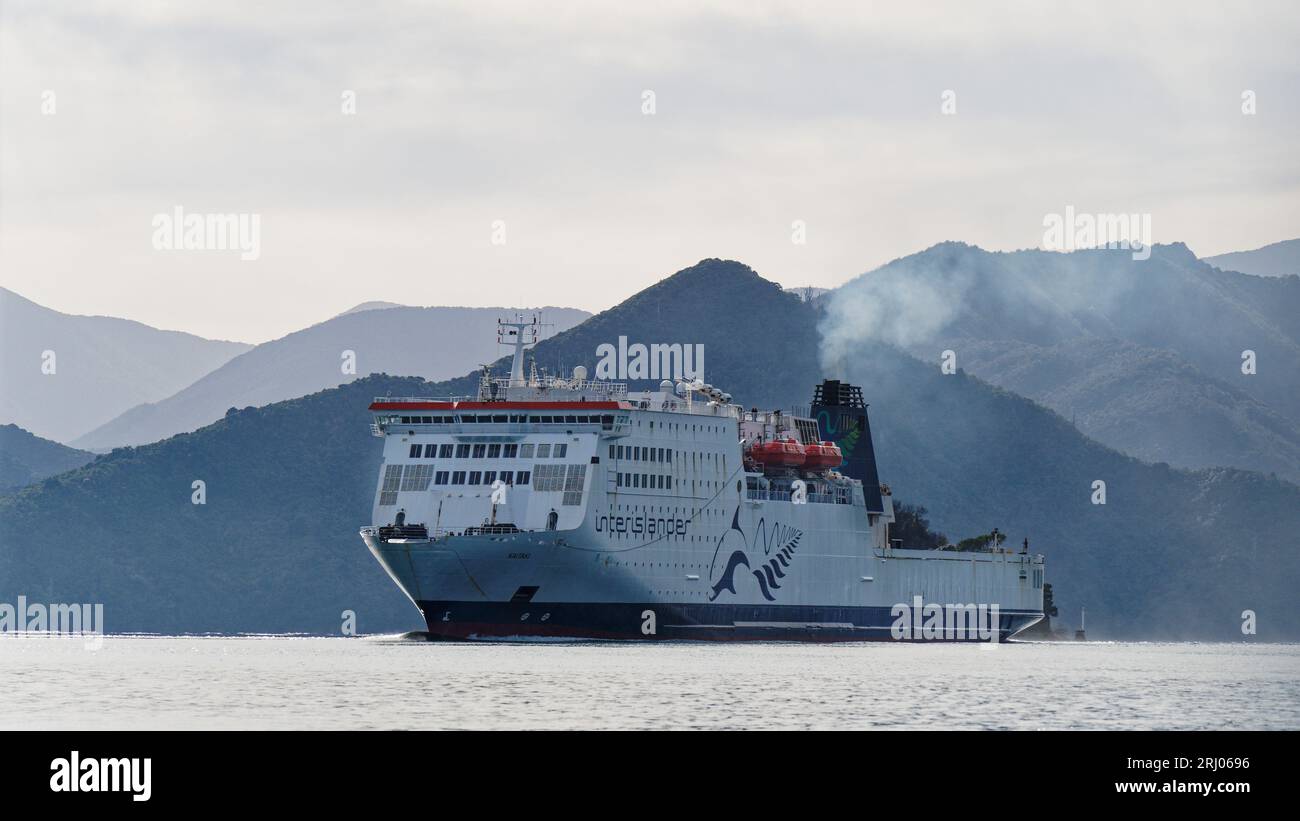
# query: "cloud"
x,y
469,113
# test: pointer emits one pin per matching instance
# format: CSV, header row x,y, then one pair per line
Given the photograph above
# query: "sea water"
x,y
393,682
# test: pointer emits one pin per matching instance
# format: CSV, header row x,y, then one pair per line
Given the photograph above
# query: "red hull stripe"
x,y
492,406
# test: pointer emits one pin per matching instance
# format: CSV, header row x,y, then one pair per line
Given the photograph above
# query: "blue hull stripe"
x,y
711,622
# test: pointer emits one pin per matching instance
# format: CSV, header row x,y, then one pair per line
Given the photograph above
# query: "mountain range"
x,y
1143,355
434,343
63,375
1171,554
1277,259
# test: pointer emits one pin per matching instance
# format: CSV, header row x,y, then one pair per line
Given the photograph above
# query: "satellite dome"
x,y
580,373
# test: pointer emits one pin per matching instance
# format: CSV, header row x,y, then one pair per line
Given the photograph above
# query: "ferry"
x,y
549,507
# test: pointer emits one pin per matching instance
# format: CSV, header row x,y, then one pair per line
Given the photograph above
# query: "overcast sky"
x,y
533,115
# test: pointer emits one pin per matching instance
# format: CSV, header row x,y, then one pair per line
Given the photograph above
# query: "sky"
x,y
507,153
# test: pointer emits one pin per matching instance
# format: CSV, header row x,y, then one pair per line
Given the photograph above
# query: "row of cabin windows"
x,y
682,426
649,454
640,454
484,451
652,481
481,477
505,418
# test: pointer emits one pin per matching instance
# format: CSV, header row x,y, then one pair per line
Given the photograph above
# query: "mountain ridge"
x,y
26,458
1272,260
427,342
1095,317
63,374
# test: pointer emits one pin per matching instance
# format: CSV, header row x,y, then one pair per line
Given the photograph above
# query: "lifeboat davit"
x,y
779,453
822,456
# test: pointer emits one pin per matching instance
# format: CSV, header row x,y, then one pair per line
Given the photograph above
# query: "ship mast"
x,y
520,333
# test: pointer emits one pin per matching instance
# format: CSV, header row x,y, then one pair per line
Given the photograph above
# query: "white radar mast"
x,y
520,333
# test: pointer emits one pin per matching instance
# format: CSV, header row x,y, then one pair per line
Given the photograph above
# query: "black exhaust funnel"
x,y
841,417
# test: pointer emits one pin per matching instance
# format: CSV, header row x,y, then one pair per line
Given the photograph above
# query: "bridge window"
x,y
429,451
475,477
444,451
521,478
549,477
480,451
494,452
575,477
417,477
561,451
511,451
526,451
508,477
458,477
415,451
462,451
392,481
543,451
489,476
440,478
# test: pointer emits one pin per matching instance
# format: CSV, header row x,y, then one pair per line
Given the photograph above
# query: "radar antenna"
x,y
519,333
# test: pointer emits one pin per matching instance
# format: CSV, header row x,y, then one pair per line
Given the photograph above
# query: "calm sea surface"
x,y
402,683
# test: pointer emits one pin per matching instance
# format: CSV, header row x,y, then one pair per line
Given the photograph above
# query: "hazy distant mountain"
x,y
371,306
25,458
435,343
102,366
1145,402
1278,259
1145,356
1172,554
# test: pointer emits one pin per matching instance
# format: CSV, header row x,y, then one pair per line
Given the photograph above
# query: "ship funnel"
x,y
841,417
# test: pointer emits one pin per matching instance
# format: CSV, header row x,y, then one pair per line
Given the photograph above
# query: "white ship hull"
x,y
469,587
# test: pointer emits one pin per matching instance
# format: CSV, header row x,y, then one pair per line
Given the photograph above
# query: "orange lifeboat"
x,y
822,456
779,453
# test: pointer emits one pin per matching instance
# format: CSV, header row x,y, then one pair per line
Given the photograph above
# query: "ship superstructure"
x,y
568,507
